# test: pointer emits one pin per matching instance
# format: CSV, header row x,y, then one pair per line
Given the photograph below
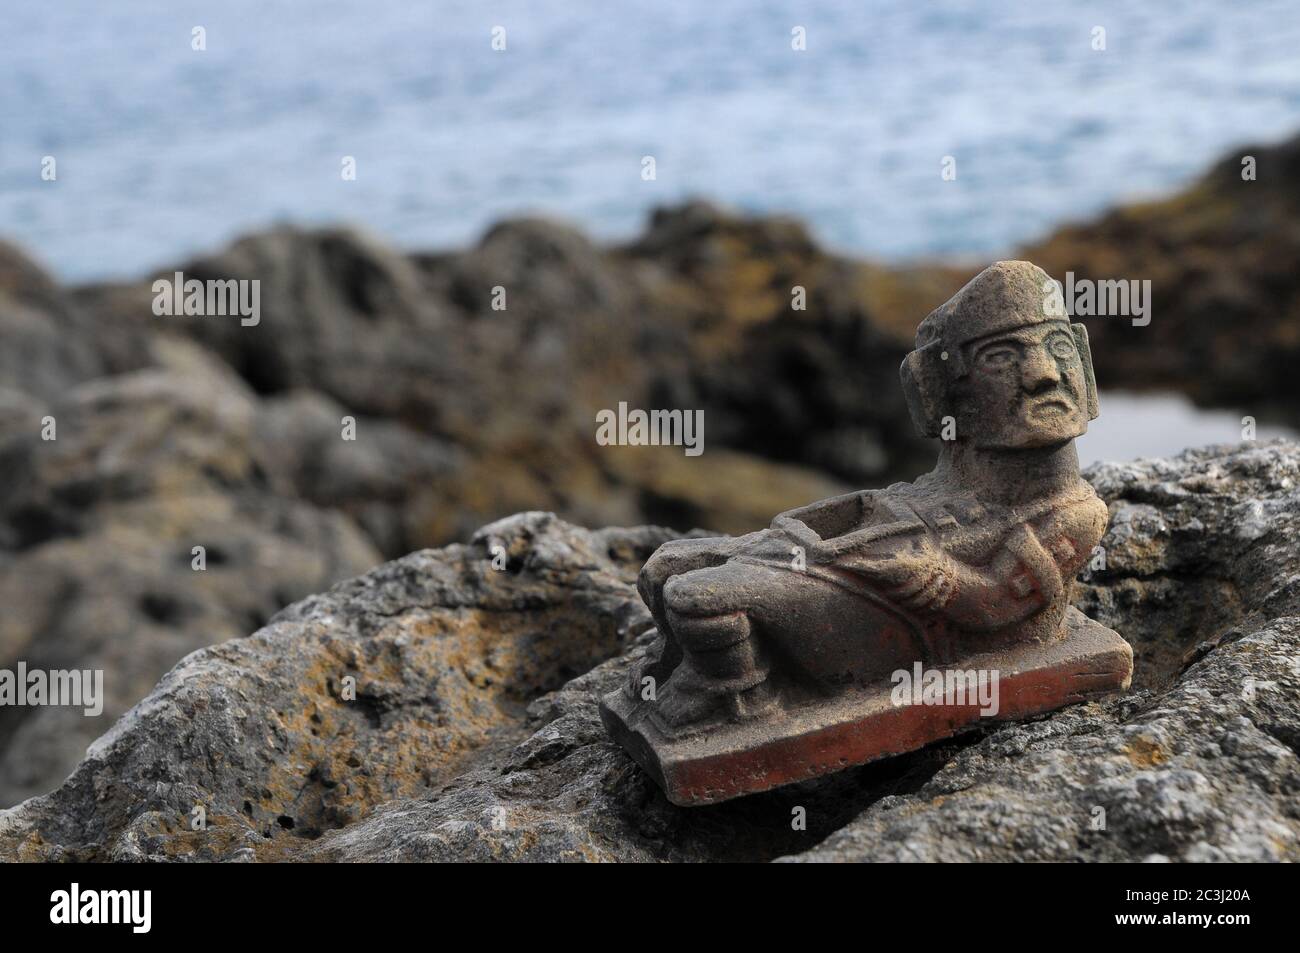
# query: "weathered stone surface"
x,y
475,733
99,527
385,476
812,385
445,650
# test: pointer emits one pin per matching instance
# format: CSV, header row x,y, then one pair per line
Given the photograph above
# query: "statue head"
x,y
1002,359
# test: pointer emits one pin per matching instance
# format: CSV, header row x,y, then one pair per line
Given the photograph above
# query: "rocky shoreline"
x,y
175,433
473,734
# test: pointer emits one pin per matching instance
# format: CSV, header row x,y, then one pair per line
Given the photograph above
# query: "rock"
x,y
100,526
699,312
378,476
445,650
508,350
51,343
474,733
720,488
814,384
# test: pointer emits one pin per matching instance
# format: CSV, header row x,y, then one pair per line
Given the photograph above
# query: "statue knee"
x,y
717,590
654,574
648,583
672,559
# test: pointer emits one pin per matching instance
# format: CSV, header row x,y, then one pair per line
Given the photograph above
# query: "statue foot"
x,y
752,702
690,700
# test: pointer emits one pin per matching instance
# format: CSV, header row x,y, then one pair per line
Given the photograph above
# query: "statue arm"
x,y
1021,579
921,576
1032,569
912,567
1071,533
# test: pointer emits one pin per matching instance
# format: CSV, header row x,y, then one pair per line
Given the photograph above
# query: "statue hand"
x,y
918,577
1029,567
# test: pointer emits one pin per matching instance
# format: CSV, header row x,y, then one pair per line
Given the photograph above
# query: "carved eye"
x,y
1061,346
998,357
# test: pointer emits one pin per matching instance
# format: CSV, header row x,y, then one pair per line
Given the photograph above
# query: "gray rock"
x,y
1219,257
100,525
385,477
50,342
266,734
474,732
697,315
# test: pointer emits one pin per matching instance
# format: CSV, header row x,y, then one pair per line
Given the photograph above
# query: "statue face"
x,y
1025,388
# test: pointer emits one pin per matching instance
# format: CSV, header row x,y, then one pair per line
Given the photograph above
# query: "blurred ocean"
x,y
163,151
1160,425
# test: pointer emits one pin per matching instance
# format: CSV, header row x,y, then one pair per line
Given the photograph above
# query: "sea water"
x,y
164,150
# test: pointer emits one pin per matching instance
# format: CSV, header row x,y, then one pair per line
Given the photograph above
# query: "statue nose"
x,y
1039,368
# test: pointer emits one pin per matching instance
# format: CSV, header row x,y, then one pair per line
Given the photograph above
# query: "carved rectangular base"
x,y
794,745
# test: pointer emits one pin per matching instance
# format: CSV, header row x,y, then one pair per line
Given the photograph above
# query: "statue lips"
x,y
1050,403
1057,400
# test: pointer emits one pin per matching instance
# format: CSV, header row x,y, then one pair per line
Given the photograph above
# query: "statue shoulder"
x,y
1083,498
937,507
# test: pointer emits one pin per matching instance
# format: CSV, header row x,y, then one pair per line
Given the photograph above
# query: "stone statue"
x,y
780,654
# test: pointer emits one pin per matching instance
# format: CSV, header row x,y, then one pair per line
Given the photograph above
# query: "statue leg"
x,y
723,669
732,620
670,560
673,559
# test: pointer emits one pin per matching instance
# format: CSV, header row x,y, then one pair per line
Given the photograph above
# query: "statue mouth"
x,y
1049,403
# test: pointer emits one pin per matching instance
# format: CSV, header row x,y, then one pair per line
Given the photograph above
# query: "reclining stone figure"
x,y
761,635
